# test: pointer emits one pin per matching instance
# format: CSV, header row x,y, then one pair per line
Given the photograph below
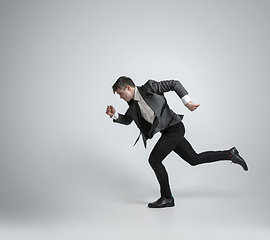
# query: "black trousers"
x,y
172,139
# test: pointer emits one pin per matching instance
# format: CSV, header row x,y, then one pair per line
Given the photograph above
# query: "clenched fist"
x,y
192,106
110,110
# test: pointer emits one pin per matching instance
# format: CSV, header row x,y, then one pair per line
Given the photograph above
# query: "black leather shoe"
x,y
236,158
162,203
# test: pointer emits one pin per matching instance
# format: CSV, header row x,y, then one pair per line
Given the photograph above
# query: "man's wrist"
x,y
115,116
186,99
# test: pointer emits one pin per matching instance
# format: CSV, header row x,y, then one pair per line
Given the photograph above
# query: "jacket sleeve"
x,y
124,119
166,86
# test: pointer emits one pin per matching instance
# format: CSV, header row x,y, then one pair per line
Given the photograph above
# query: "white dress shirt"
x,y
147,113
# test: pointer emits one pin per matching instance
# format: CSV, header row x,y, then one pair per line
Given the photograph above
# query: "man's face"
x,y
127,94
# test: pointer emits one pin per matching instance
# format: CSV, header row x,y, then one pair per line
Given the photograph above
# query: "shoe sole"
x,y
162,206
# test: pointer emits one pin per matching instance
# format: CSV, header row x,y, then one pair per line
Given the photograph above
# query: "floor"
x,y
194,217
119,211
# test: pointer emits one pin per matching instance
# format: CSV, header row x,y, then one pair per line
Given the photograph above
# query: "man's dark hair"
x,y
122,83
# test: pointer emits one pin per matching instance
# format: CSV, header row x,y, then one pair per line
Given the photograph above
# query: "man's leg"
x,y
186,152
166,144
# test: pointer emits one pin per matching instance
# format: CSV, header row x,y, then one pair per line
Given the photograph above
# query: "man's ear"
x,y
128,87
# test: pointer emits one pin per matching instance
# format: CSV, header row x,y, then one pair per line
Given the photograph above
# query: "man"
x,y
149,109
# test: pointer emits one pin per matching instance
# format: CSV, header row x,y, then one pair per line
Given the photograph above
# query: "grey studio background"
x,y
68,172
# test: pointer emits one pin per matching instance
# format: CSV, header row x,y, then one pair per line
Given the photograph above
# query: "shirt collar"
x,y
137,95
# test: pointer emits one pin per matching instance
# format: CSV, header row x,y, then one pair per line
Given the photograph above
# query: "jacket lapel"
x,y
136,115
135,112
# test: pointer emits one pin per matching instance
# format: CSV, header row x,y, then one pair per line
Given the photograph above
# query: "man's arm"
x,y
117,117
166,86
173,85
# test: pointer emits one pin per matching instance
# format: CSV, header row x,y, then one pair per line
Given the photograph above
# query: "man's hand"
x,y
110,110
192,106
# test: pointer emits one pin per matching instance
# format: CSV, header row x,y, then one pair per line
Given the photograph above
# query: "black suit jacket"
x,y
153,94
